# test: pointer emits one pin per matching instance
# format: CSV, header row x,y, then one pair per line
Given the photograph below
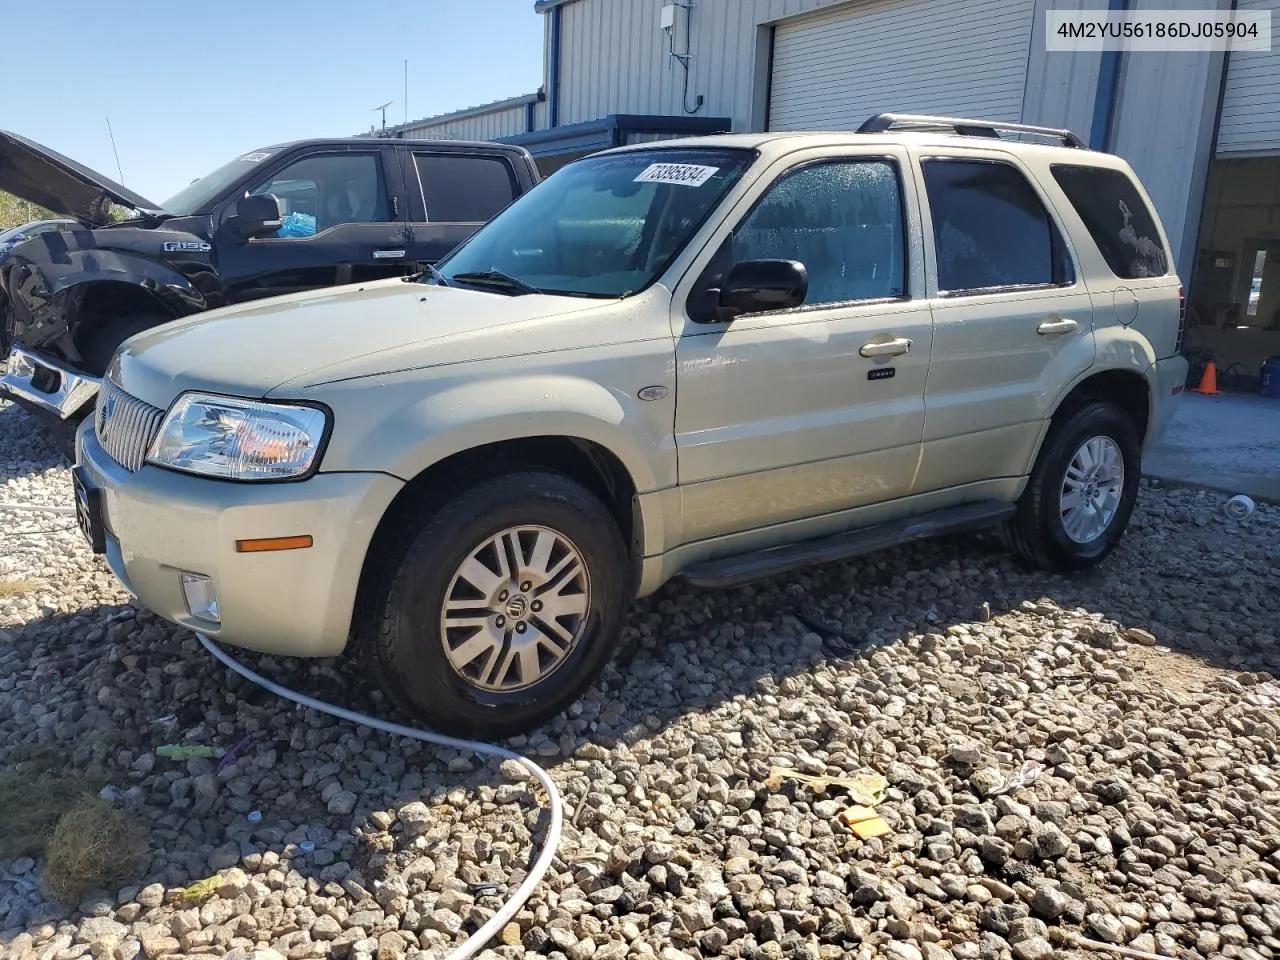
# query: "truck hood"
x,y
33,172
303,340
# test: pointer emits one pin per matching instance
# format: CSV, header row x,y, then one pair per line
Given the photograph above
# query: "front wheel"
x,y
1082,491
503,608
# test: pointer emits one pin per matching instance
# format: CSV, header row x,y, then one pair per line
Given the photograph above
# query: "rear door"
x,y
342,225
453,195
1013,320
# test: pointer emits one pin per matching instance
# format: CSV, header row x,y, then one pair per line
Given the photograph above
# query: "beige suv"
x,y
719,358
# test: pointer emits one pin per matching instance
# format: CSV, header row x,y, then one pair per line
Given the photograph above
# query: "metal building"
x,y
1201,129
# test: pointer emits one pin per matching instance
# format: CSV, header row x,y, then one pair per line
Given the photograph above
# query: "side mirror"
x,y
255,216
754,286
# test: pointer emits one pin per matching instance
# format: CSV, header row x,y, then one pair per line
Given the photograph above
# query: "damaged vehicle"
x,y
283,219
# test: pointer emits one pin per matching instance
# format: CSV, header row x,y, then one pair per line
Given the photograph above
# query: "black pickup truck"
x,y
285,218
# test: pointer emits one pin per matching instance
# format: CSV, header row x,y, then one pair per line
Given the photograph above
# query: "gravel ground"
x,y
1144,689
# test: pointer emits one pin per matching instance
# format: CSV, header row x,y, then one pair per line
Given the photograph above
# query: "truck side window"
x,y
842,219
323,191
991,229
464,189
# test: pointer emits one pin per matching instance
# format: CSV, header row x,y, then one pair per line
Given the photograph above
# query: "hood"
x,y
33,172
333,334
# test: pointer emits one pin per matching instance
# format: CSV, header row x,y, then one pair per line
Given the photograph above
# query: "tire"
x,y
94,359
1050,536
485,690
97,353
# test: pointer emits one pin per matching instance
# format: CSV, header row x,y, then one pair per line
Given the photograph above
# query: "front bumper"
x,y
1168,379
44,383
160,524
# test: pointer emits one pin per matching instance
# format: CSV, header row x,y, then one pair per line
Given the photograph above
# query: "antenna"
x,y
406,91
383,108
119,171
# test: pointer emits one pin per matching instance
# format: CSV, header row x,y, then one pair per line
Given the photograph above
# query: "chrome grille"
x,y
125,425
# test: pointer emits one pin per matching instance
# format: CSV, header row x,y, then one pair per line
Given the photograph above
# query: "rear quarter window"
x,y
1117,218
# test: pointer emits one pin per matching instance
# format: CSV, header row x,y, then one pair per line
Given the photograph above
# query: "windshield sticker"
x,y
683,174
255,157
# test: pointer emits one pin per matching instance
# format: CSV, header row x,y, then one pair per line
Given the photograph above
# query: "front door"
x,y
340,226
1013,321
810,411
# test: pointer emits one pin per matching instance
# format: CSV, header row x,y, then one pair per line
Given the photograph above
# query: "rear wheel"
x,y
1082,491
504,606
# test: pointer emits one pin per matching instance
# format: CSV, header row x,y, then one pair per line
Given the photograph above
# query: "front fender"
x,y
47,283
375,431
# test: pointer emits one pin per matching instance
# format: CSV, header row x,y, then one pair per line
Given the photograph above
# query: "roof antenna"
x,y
406,91
383,108
119,172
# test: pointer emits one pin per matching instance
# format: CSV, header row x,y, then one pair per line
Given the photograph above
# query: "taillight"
x,y
1182,315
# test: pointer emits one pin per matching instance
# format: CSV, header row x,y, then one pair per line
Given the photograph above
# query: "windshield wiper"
x,y
430,271
496,278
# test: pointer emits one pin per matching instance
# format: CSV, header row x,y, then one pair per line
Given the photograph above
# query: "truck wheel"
x,y
97,353
1082,491
504,606
95,356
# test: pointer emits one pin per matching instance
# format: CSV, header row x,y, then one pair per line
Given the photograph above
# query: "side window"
x,y
990,228
462,189
843,220
322,191
1119,221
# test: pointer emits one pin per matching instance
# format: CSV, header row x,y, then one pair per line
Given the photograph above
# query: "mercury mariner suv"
x,y
717,359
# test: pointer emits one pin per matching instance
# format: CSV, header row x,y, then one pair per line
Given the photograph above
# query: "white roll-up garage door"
x,y
1251,101
833,70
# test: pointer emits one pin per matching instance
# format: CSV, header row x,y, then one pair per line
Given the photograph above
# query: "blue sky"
x,y
189,85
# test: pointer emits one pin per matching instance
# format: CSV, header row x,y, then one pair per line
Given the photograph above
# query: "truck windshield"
x,y
606,226
208,188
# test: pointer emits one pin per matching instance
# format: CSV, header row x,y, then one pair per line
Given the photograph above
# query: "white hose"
x,y
477,940
24,508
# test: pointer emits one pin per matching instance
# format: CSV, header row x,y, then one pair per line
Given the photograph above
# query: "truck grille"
x,y
125,425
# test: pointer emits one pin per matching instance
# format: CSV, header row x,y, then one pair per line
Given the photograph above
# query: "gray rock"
x,y
902,950
1034,948
1105,927
415,818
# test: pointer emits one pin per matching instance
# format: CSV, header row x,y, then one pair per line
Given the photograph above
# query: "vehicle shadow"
x,y
28,447
122,682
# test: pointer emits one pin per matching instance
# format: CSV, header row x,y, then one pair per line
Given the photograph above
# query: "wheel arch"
x,y
586,461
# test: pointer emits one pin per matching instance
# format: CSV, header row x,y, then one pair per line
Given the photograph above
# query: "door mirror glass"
x,y
755,286
256,215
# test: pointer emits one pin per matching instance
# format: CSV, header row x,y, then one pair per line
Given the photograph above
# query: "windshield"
x,y
606,226
207,189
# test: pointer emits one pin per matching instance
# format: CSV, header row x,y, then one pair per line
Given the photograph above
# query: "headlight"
x,y
238,439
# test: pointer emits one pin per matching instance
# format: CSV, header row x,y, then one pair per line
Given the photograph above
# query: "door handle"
x,y
890,348
1064,325
388,254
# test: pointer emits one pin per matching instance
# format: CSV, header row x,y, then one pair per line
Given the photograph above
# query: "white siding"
x,y
835,69
1061,87
1163,126
1251,105
484,126
615,57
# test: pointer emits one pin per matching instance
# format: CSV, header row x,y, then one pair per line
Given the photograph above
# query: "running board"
x,y
731,571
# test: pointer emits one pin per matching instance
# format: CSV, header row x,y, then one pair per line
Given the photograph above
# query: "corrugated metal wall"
x,y
1251,104
1163,126
484,126
616,57
1061,87
955,59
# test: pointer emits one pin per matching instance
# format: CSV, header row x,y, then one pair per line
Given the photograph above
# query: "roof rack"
x,y
885,122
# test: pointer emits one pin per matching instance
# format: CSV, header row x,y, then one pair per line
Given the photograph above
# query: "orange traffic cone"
x,y
1209,382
